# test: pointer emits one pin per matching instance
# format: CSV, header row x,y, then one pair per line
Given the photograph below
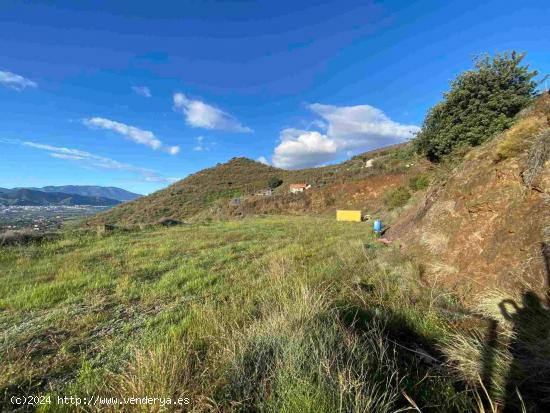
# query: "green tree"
x,y
482,102
274,182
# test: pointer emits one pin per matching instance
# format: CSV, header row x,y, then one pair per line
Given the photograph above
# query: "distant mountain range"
x,y
66,195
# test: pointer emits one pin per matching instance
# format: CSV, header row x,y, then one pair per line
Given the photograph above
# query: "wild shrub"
x,y
397,197
274,182
418,183
481,103
24,237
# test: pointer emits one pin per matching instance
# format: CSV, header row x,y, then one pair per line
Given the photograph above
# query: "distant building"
x,y
296,188
264,192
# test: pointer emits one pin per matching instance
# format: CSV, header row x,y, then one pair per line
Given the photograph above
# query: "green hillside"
x,y
243,177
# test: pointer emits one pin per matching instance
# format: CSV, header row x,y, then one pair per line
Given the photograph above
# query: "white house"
x,y
296,188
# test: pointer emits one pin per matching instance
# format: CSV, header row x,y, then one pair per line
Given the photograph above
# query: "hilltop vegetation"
x,y
481,103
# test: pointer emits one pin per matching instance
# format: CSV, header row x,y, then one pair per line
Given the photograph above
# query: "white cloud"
x,y
15,81
65,156
300,149
199,114
262,159
140,136
142,91
199,147
346,129
202,145
362,126
173,150
88,159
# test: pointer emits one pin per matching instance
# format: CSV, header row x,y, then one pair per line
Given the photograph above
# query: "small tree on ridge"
x,y
482,101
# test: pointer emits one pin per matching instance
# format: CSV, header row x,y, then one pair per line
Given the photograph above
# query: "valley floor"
x,y
295,314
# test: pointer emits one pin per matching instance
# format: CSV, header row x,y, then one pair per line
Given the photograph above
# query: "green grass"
x,y
276,314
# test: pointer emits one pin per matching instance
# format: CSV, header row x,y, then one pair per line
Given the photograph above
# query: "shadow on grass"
x,y
527,384
420,363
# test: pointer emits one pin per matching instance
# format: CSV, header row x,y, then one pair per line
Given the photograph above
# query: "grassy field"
x,y
280,314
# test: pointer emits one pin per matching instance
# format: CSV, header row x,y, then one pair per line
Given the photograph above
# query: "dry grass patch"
x,y
518,137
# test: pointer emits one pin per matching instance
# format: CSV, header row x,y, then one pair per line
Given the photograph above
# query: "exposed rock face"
x,y
483,227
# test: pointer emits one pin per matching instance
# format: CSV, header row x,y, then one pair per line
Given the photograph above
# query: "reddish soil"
x,y
482,228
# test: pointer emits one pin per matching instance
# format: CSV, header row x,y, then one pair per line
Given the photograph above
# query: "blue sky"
x,y
138,94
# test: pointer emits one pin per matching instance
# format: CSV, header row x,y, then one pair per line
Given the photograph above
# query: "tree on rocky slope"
x,y
274,182
482,101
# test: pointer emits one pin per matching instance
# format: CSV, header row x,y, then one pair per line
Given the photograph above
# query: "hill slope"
x,y
29,197
208,192
486,223
190,195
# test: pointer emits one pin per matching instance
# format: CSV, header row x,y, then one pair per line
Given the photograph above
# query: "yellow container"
x,y
342,215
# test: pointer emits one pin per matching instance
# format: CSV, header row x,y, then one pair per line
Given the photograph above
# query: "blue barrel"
x,y
378,226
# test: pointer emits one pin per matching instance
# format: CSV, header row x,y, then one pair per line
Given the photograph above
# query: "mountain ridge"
x,y
30,197
109,192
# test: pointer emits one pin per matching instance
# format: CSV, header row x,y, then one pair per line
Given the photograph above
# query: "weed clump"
x,y
418,183
518,137
24,237
538,155
397,197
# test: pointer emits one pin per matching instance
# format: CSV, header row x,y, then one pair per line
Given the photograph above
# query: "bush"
x,y
418,183
397,197
24,237
481,102
274,182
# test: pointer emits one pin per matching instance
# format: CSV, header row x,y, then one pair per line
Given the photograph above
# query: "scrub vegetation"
x,y
481,103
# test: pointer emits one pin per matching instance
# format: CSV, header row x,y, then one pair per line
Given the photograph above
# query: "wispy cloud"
x,y
199,114
66,156
342,130
142,91
202,145
15,81
140,136
90,160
